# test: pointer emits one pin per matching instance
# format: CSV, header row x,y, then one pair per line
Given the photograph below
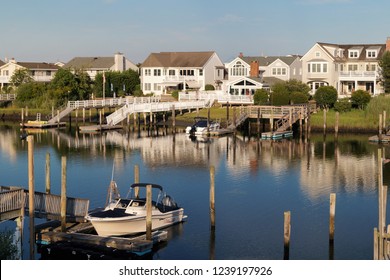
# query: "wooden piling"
x,y
173,119
384,121
149,212
136,180
336,126
381,226
83,115
22,116
332,213
47,168
58,118
258,123
380,128
287,234
31,193
212,197
324,121
376,244
227,114
63,193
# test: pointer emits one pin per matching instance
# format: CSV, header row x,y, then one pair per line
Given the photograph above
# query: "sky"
x,y
56,30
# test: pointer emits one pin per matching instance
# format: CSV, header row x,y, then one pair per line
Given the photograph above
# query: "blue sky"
x,y
53,30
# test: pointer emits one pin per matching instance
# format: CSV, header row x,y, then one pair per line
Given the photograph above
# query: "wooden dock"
x,y
41,124
81,238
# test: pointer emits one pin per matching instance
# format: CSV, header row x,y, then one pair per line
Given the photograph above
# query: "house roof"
x,y
90,63
346,47
177,59
38,65
267,60
1,63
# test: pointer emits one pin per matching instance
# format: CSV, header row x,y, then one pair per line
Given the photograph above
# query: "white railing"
x,y
7,97
368,74
220,96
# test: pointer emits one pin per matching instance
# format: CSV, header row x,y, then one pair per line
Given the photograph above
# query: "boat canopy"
x,y
143,185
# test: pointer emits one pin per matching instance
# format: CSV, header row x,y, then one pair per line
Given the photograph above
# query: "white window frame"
x,y
371,54
353,53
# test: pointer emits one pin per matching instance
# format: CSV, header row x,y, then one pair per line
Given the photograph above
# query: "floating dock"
x,y
41,124
276,135
384,138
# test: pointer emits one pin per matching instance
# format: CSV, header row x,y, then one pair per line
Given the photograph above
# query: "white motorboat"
x,y
127,216
201,126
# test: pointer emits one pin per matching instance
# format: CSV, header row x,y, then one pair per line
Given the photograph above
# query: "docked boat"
x,y
201,126
127,216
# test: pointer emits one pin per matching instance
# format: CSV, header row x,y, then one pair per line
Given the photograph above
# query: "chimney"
x,y
119,62
254,71
241,55
388,44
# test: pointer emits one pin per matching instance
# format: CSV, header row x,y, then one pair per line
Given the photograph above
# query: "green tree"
x,y
343,105
123,83
278,98
8,250
297,86
326,96
260,97
64,86
384,63
360,99
21,76
31,95
209,87
298,97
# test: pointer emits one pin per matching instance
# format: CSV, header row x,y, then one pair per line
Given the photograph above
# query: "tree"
x,y
209,87
260,97
289,90
360,99
120,83
297,97
8,250
384,63
326,96
21,76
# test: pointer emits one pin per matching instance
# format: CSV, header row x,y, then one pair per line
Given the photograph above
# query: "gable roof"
x,y
267,60
90,63
177,59
1,63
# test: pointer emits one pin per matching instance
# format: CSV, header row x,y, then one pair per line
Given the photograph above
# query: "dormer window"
x,y
353,54
371,54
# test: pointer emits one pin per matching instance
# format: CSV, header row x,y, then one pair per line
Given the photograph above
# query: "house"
x,y
39,71
165,71
345,67
95,65
245,74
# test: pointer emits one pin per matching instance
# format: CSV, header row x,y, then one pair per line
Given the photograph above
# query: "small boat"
x,y
127,216
200,126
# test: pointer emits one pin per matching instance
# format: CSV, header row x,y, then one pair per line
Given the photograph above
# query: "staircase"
x,y
62,114
284,122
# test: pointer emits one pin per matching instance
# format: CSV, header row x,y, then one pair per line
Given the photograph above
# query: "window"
x,y
352,67
370,67
318,67
238,70
278,71
317,54
48,73
147,86
371,54
172,72
353,54
157,72
157,87
148,72
201,72
189,72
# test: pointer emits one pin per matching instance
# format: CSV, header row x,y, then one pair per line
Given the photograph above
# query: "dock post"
x,y
208,121
63,194
332,214
381,226
376,244
324,122
100,119
22,117
258,123
287,234
380,128
47,173
58,118
77,117
31,194
83,115
336,126
149,212
212,197
384,121
227,113
136,180
173,119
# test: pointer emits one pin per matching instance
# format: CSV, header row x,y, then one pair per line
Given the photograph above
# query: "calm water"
x,y
255,183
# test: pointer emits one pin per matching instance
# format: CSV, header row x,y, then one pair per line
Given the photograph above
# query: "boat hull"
x,y
131,225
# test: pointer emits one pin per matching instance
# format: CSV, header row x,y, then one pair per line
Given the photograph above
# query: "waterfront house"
x,y
166,71
345,67
245,74
39,71
95,65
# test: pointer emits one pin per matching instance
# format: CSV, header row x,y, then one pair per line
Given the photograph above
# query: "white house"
x,y
245,74
345,67
95,65
165,71
39,71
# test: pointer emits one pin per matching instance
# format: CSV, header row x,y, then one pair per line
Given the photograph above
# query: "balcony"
x,y
360,75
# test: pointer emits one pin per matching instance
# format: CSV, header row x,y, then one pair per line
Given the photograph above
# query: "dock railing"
x,y
11,202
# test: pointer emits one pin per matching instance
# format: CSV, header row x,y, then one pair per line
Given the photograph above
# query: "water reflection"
x,y
256,181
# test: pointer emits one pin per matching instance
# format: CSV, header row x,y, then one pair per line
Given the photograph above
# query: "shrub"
x,y
209,87
260,97
343,105
326,96
175,94
279,99
298,98
360,99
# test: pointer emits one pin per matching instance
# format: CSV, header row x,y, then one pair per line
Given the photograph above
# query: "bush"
x,y
279,99
360,99
175,94
343,105
209,87
326,96
298,98
260,97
